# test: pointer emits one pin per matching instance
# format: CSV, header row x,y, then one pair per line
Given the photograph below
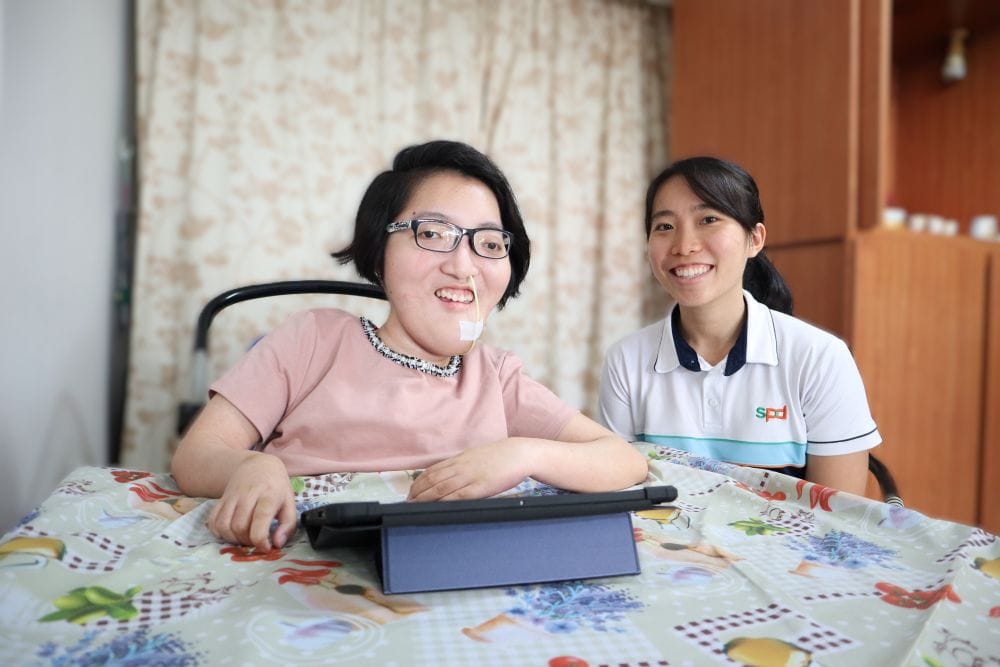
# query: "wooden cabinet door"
x,y
920,332
818,277
773,85
989,494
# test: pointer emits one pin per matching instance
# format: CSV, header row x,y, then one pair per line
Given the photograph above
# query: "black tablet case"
x,y
490,542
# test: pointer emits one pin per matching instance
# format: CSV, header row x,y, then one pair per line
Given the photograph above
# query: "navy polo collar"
x,y
757,342
688,358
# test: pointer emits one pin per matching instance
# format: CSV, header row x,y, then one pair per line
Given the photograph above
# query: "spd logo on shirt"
x,y
767,414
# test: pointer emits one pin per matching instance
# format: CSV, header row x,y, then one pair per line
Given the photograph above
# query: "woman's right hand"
x,y
214,460
258,491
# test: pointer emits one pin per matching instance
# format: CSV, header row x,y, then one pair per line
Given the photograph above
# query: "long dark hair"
x,y
729,189
388,193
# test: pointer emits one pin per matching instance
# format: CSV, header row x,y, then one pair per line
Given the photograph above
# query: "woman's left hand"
x,y
478,472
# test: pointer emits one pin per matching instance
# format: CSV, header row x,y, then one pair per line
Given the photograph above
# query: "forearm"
x,y
605,464
218,442
202,468
599,462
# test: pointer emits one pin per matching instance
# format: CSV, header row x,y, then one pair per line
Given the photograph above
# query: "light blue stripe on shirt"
x,y
769,454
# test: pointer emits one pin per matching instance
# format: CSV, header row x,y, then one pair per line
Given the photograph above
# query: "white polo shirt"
x,y
785,390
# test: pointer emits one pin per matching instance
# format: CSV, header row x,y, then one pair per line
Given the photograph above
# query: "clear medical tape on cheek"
x,y
471,330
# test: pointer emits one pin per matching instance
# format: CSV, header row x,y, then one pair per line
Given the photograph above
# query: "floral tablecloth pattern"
x,y
747,567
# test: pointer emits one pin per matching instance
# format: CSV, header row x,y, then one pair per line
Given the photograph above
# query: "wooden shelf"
x,y
919,338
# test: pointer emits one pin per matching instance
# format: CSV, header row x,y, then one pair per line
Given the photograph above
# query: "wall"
x,y
62,76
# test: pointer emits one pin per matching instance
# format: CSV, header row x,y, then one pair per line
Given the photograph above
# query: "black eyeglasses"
x,y
441,236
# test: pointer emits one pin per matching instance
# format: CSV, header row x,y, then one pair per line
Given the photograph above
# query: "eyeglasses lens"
x,y
491,243
441,236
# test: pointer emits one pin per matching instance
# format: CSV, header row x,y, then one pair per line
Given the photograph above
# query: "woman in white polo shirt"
x,y
729,373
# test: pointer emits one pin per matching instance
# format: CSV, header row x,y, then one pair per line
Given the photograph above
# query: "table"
x,y
746,567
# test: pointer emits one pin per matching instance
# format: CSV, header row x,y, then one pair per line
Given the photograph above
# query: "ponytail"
x,y
764,282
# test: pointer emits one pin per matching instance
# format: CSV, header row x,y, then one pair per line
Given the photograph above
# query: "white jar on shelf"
x,y
917,222
893,217
984,227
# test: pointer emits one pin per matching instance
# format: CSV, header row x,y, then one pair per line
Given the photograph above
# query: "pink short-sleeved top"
x,y
325,400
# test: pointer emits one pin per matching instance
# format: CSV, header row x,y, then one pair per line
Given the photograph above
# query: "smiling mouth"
x,y
691,271
454,295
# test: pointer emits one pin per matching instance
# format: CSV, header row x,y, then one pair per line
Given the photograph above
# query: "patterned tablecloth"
x,y
747,567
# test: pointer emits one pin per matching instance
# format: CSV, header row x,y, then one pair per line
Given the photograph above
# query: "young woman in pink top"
x,y
327,392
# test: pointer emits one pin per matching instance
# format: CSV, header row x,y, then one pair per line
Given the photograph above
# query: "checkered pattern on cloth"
x,y
711,634
75,562
74,488
836,596
156,607
324,485
190,530
474,628
798,522
978,538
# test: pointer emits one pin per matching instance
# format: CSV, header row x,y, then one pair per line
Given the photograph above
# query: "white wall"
x,y
62,76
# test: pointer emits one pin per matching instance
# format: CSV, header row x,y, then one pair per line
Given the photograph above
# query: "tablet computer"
x,y
359,523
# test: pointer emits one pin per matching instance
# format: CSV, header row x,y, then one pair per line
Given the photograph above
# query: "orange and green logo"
x,y
767,414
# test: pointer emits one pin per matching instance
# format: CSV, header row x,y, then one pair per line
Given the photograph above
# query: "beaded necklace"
x,y
406,360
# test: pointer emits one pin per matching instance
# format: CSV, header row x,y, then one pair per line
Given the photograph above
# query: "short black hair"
x,y
730,189
389,192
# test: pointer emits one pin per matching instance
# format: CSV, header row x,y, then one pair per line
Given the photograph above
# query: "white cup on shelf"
x,y
893,217
917,222
937,224
983,227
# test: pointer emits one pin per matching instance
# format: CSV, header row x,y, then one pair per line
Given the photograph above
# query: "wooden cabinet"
x,y
835,120
732,60
920,316
820,282
989,487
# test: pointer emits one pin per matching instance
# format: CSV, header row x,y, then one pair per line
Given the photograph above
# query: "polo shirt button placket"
x,y
712,409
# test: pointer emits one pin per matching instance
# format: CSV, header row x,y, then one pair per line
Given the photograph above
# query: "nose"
x,y
686,241
461,262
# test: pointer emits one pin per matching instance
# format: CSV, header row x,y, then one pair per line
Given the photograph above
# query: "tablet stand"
x,y
475,555
505,541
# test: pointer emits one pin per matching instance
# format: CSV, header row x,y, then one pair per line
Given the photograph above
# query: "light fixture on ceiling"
x,y
954,62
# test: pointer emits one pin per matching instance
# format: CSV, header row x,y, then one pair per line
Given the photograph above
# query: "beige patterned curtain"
x,y
261,123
